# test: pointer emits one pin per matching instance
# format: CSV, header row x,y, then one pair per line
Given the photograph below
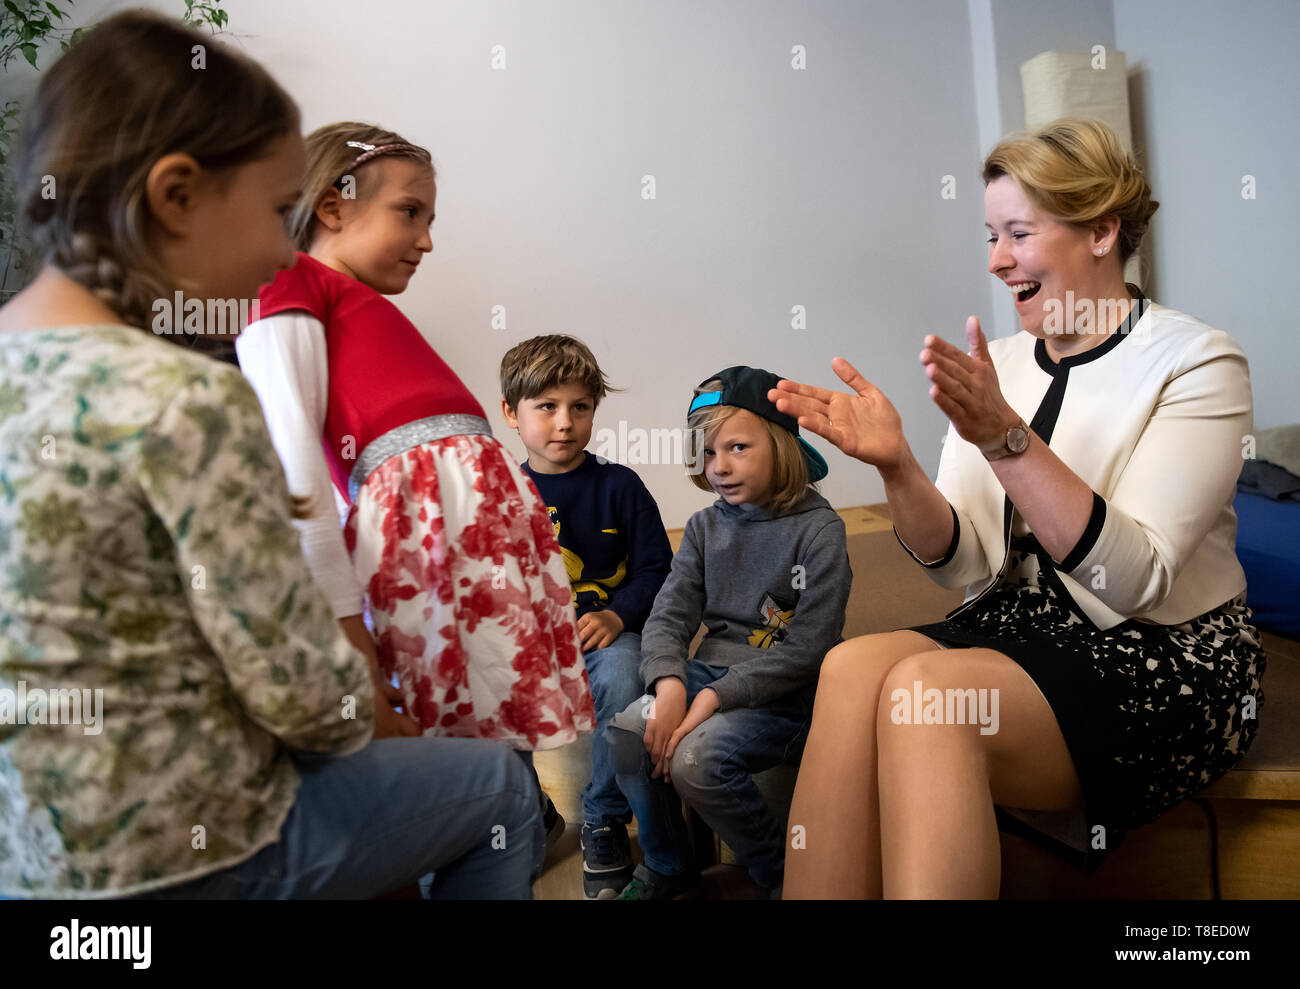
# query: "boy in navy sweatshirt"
x,y
617,555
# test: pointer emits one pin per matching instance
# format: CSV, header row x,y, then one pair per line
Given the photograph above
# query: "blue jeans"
x,y
615,678
464,809
712,770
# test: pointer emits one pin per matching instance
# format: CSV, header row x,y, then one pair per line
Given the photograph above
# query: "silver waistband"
x,y
407,437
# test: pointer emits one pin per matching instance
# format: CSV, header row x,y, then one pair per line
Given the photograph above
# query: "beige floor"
x,y
562,878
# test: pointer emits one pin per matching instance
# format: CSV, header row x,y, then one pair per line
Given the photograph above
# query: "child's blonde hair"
x,y
530,368
336,151
790,480
1076,170
125,95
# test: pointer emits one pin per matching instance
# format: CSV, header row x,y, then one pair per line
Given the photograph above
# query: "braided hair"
x,y
136,87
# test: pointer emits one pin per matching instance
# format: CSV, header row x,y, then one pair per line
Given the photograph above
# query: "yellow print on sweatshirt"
x,y
777,618
573,566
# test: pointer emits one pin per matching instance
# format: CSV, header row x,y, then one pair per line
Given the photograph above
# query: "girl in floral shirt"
x,y
167,665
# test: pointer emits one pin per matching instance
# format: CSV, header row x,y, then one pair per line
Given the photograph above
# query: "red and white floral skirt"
x,y
468,595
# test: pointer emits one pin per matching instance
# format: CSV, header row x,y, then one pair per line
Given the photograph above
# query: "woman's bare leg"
x,y
939,782
833,840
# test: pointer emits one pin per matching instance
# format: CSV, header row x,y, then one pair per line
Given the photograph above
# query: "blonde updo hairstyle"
x,y
1076,170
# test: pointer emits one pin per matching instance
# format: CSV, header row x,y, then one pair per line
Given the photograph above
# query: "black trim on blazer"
x,y
1090,535
952,546
1140,304
1044,424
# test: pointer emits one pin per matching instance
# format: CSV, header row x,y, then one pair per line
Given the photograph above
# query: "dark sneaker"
x,y
606,860
647,884
553,823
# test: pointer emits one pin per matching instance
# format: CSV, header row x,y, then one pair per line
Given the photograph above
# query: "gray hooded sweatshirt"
x,y
771,592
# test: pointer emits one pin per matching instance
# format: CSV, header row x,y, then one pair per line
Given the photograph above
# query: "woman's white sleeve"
x,y
1177,480
284,359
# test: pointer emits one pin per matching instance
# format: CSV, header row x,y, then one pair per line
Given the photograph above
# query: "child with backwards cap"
x,y
766,569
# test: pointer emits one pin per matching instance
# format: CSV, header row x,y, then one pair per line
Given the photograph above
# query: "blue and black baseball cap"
x,y
747,388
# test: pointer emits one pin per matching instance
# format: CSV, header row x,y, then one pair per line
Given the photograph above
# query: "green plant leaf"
x,y
29,53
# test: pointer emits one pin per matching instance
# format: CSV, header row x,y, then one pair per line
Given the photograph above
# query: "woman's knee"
x,y
857,667
931,669
845,661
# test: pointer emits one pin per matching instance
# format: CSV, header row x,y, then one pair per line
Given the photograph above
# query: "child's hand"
x,y
666,714
389,722
702,708
597,629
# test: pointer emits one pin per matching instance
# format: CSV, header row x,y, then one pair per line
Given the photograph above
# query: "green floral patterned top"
x,y
147,552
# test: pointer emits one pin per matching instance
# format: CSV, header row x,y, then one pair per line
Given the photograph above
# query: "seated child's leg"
x,y
661,826
712,770
615,678
382,818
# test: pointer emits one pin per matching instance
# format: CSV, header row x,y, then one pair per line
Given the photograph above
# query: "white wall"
x,y
1023,28
1215,94
1004,35
775,187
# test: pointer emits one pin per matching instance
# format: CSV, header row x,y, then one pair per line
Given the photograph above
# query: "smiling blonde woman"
x,y
1084,501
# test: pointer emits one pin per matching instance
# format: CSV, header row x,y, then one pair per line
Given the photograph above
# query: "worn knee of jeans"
x,y
694,767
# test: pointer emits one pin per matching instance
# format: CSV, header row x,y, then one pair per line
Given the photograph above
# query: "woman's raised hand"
x,y
864,424
965,386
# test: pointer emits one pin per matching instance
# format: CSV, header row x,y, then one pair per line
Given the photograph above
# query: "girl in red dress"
x,y
445,538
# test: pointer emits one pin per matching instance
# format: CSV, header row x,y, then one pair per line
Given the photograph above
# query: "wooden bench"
x,y
1239,838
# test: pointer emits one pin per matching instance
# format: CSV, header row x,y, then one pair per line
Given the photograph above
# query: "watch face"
x,y
1017,439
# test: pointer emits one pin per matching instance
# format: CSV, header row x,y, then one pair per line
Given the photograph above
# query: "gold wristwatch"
x,y
1015,441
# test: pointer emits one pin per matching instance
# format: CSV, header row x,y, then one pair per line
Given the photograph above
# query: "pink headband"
x,y
375,150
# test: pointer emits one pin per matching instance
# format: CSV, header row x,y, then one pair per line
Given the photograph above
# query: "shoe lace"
x,y
603,841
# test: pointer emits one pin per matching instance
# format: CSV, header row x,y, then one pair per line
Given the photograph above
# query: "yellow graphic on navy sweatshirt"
x,y
573,566
777,618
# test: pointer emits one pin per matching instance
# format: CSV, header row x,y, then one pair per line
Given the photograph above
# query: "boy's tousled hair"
x,y
789,468
126,94
330,160
530,368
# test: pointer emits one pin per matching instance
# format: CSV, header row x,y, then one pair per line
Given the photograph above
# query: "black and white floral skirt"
x,y
1151,713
